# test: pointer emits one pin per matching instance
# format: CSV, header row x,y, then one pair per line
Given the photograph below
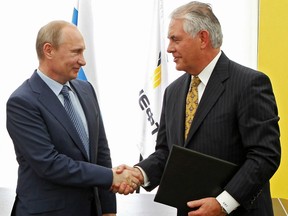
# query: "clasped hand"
x,y
126,179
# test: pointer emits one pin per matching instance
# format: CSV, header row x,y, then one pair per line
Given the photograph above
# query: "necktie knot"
x,y
196,81
65,91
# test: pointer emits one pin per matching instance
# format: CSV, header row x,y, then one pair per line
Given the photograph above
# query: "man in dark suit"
x,y
57,176
236,119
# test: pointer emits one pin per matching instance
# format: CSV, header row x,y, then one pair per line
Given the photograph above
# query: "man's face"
x,y
68,57
185,49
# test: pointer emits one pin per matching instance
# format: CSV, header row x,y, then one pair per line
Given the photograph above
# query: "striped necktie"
x,y
191,104
75,118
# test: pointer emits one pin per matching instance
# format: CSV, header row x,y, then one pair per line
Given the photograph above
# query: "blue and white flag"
x,y
150,95
84,20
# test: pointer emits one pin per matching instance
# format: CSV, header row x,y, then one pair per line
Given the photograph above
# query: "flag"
x,y
155,82
84,20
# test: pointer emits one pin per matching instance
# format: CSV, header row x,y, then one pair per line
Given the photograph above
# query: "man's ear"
x,y
48,50
205,38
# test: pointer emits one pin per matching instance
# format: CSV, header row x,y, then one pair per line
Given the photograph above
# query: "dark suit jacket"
x,y
236,120
55,176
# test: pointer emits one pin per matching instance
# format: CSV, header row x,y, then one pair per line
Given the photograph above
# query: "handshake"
x,y
126,179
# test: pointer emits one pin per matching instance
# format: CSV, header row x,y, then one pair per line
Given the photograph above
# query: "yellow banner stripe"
x,y
157,77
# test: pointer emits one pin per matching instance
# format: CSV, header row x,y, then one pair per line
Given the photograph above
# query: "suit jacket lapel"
x,y
212,92
54,106
178,110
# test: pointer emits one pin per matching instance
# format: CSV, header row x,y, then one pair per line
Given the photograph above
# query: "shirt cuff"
x,y
146,180
227,202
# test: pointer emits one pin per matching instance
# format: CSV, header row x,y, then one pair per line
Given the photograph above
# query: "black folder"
x,y
190,175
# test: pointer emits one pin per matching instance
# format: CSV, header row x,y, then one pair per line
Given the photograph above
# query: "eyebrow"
x,y
172,37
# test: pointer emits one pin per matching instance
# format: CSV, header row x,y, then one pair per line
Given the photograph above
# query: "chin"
x,y
74,76
179,68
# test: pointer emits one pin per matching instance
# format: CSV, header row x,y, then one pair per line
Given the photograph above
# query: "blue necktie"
x,y
75,118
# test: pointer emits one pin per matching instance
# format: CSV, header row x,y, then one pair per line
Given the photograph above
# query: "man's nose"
x,y
82,61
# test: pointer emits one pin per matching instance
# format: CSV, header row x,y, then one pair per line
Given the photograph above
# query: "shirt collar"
x,y
205,74
53,85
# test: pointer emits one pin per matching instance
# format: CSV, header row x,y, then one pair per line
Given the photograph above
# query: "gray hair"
x,y
199,16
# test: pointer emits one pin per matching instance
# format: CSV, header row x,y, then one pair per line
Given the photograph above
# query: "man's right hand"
x,y
126,179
